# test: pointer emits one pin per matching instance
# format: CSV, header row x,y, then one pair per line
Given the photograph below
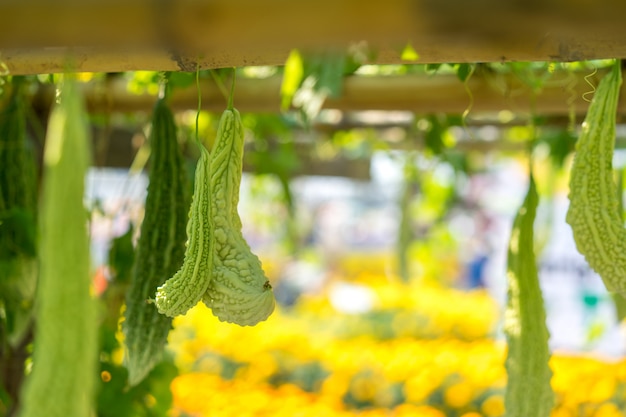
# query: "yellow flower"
x,y
458,395
602,390
418,388
410,410
493,406
620,370
561,412
608,410
188,391
373,412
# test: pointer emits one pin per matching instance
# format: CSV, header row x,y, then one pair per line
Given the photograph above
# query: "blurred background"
x,y
380,200
389,269
385,160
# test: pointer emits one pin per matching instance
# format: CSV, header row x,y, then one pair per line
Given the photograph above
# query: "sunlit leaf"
x,y
292,77
409,54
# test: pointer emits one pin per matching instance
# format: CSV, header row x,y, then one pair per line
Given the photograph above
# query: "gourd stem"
x,y
220,85
164,86
232,91
199,105
617,66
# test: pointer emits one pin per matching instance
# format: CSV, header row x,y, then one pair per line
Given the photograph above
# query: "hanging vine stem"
x,y
228,95
471,101
232,91
571,83
199,103
585,95
220,85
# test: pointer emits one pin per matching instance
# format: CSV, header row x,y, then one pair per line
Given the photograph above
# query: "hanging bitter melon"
x,y
187,286
65,355
593,212
18,207
528,391
219,266
160,249
238,291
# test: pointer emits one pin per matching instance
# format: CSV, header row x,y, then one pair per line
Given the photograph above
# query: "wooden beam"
x,y
39,36
485,92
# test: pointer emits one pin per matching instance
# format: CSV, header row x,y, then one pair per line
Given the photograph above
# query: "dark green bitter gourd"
x,y
18,207
64,369
238,292
161,247
187,286
528,392
593,212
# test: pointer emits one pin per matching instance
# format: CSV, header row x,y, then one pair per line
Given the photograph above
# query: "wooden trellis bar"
x,y
419,93
39,36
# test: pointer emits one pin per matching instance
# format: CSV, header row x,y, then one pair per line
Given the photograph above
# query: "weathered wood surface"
x,y
419,93
39,36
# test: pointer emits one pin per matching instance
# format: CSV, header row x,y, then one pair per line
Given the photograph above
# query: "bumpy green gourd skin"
x,y
161,247
18,206
238,291
65,349
528,391
593,212
185,289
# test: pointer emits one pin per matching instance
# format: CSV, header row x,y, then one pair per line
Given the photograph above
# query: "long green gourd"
x,y
593,212
65,349
161,247
187,286
528,391
18,207
238,291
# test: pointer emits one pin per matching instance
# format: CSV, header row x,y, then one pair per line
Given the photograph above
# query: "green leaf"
x,y
432,67
292,78
561,144
330,74
179,79
463,71
409,54
151,398
433,138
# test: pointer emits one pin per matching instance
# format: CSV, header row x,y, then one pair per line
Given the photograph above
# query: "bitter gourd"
x,y
65,348
161,246
219,266
528,392
18,207
593,212
185,289
238,291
